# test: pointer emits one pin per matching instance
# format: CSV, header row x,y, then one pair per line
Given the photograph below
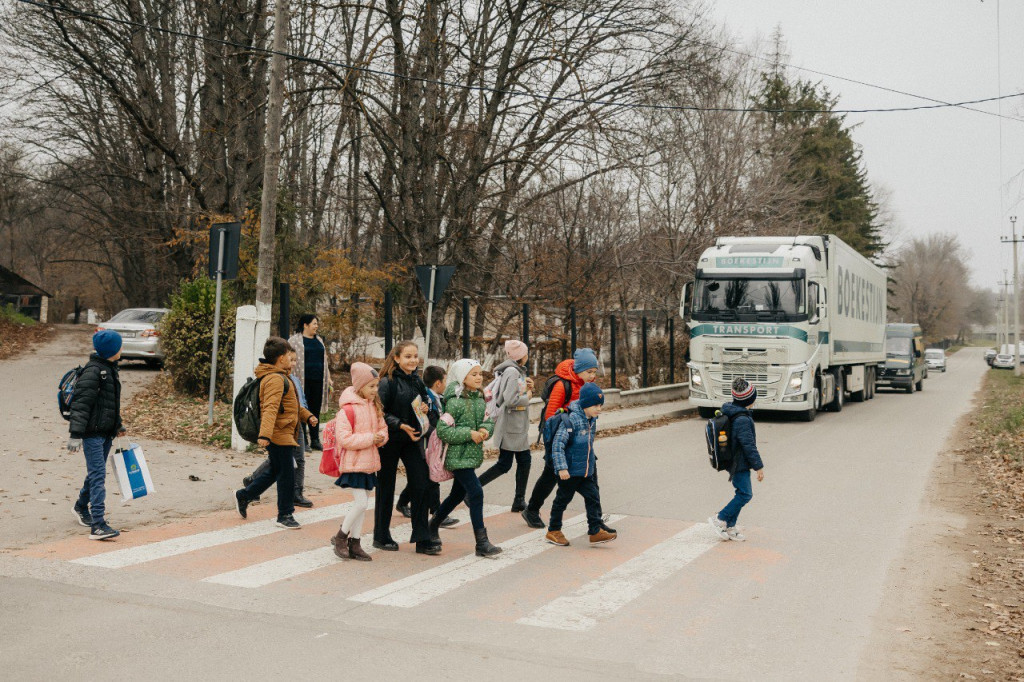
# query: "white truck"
x,y
800,318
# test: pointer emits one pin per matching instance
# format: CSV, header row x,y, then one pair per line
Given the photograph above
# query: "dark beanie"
x,y
590,395
743,393
107,343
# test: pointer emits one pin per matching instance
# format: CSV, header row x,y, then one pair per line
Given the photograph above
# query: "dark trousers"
x,y
433,496
314,390
300,469
281,470
418,476
94,491
465,487
542,488
504,465
567,489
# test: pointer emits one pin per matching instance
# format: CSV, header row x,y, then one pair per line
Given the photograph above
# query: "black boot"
x,y
300,478
532,518
434,526
484,547
518,503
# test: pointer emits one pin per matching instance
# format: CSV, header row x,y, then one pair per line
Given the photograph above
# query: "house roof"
x,y
13,283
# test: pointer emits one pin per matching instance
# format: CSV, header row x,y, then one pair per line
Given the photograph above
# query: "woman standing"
x,y
465,438
512,420
312,369
405,400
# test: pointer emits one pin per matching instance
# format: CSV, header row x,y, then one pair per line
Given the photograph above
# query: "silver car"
x,y
139,334
1003,361
935,358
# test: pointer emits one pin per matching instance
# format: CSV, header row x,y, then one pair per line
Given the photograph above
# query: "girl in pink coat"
x,y
358,437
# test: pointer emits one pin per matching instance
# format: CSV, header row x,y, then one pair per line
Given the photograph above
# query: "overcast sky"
x,y
941,168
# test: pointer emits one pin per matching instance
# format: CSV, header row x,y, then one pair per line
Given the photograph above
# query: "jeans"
x,y
504,465
282,470
567,489
418,476
731,512
300,468
466,486
94,490
542,488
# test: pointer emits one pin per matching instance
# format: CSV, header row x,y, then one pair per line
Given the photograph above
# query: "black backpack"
x,y
66,391
550,428
718,434
545,395
247,409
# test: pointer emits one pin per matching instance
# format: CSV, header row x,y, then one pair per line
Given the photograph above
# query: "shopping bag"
x,y
132,473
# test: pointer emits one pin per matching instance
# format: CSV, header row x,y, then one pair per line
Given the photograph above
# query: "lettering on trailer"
x,y
750,330
858,298
749,262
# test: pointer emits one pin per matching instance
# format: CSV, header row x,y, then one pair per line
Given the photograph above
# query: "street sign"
x,y
232,239
442,278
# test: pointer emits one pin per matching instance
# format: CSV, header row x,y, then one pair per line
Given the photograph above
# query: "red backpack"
x,y
330,460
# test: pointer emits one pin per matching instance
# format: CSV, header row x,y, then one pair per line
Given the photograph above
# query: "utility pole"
x,y
1016,297
271,165
1004,312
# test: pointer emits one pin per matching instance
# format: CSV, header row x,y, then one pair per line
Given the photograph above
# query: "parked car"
x,y
139,334
990,356
935,358
1003,361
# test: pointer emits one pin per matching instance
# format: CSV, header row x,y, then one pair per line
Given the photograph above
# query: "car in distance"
x,y
990,356
1003,361
140,336
935,358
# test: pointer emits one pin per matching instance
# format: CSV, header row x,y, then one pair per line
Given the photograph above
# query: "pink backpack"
x,y
437,451
330,458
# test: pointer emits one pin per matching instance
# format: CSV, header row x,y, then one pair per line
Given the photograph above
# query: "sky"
x,y
940,169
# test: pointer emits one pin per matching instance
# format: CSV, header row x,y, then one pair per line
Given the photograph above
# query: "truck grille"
x,y
754,372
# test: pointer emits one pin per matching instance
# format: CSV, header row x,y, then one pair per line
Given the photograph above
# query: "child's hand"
x,y
378,439
413,434
313,421
564,474
477,437
760,475
482,432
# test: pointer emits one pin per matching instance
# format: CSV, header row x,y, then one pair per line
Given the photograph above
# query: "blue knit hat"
x,y
590,395
583,359
107,343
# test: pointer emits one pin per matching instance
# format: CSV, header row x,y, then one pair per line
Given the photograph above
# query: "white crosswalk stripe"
x,y
602,597
267,572
132,556
424,586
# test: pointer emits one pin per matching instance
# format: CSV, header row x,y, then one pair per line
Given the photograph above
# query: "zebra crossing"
x,y
593,584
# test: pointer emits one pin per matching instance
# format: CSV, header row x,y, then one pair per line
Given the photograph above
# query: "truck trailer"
x,y
801,318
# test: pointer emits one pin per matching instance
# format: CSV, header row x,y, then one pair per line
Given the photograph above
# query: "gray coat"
x,y
295,341
512,408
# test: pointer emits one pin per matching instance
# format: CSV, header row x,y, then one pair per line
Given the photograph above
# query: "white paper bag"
x,y
132,473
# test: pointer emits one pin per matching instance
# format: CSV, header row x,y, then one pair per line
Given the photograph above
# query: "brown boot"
x,y
340,541
355,551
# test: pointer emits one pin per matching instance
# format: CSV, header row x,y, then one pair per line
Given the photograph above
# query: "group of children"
x,y
387,417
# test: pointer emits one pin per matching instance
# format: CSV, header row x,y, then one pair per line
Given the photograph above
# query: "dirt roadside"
x,y
41,478
946,614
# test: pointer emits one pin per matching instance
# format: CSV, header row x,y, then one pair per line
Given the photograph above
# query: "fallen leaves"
x,y
18,338
158,412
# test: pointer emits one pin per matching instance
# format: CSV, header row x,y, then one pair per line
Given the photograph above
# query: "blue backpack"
x,y
550,428
66,391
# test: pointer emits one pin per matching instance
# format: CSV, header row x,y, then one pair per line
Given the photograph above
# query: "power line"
x,y
767,60
493,90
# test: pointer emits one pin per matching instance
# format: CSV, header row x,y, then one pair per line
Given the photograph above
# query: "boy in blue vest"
x,y
745,457
575,464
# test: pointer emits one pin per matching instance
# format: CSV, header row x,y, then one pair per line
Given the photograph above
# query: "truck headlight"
x,y
796,383
903,372
695,379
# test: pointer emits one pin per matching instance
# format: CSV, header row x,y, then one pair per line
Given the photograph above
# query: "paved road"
x,y
215,596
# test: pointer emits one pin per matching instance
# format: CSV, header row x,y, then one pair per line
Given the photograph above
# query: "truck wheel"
x,y
809,415
910,387
706,412
920,384
871,383
861,395
839,399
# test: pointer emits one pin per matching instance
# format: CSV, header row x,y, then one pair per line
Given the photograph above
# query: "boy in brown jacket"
x,y
281,416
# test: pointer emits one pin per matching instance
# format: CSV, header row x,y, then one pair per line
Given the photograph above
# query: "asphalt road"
x,y
215,597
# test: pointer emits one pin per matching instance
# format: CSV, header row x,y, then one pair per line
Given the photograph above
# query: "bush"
x,y
187,338
10,314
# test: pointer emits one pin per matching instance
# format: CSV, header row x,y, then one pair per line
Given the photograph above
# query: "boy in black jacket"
x,y
95,420
745,458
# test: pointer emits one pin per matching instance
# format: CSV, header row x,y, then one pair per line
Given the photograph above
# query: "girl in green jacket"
x,y
465,438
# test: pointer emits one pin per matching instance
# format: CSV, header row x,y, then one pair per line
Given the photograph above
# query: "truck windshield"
x,y
897,345
750,299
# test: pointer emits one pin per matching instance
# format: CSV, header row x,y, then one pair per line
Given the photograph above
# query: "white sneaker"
x,y
718,526
734,534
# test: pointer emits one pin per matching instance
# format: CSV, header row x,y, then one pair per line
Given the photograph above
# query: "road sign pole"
x,y
216,322
430,314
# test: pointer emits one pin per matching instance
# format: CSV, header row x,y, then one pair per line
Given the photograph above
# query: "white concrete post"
x,y
251,332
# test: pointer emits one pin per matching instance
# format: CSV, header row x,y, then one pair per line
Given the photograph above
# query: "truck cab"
x,y
905,367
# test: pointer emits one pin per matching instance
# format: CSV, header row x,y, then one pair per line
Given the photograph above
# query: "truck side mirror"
x,y
813,292
685,300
